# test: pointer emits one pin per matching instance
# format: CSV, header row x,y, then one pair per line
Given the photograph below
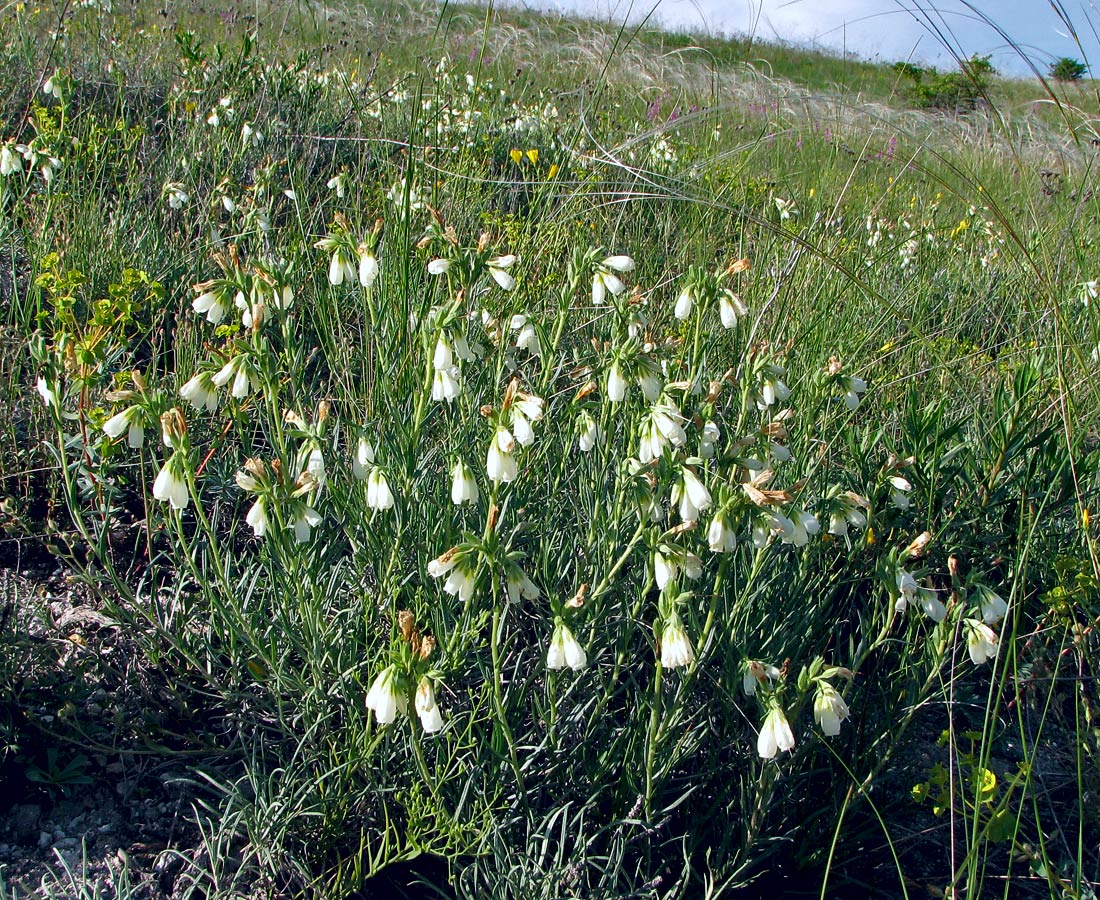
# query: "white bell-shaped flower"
x,y
446,384
992,606
498,267
588,431
829,708
258,518
379,495
693,496
500,463
616,384
368,267
341,268
386,697
303,520
730,308
200,391
431,719
564,650
685,303
463,485
981,641
775,734
721,538
443,357
170,484
129,420
363,460
676,649
212,303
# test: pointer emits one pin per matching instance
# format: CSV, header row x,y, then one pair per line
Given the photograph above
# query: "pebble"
x,y
44,839
24,818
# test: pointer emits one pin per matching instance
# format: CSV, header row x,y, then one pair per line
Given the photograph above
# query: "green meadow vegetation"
x,y
547,459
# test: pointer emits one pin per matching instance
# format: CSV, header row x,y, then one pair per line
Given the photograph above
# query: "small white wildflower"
x,y
775,734
676,649
829,709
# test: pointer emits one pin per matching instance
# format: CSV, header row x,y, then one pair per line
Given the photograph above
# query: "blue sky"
x,y
884,30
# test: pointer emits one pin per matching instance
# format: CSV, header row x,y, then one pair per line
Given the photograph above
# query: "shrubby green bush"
x,y
955,91
1068,69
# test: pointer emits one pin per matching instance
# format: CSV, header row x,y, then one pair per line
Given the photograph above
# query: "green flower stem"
x,y
421,763
498,688
208,529
652,737
605,582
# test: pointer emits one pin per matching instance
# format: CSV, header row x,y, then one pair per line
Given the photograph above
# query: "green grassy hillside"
x,y
537,458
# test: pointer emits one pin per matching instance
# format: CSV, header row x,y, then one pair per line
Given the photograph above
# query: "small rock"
x,y
25,817
44,838
65,844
